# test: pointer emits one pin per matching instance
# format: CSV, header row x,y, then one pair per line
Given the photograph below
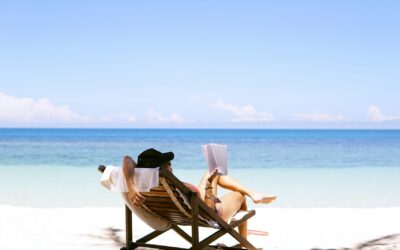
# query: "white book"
x,y
216,157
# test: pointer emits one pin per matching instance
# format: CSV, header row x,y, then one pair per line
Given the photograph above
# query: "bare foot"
x,y
259,198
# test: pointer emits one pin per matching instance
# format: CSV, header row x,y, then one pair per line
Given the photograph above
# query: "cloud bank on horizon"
x,y
375,114
28,112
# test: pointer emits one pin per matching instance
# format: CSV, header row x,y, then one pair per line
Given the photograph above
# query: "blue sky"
x,y
231,64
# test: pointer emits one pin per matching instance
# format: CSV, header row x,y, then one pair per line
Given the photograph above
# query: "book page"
x,y
220,157
216,157
209,157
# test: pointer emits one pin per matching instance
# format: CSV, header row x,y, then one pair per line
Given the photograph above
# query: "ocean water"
x,y
305,168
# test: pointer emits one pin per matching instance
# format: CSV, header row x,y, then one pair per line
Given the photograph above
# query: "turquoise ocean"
x,y
304,168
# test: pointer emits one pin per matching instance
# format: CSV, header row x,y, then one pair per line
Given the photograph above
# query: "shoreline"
x,y
288,228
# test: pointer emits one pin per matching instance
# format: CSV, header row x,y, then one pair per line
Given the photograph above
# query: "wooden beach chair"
x,y
175,202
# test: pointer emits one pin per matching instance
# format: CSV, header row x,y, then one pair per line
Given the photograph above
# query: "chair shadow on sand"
x,y
389,242
110,234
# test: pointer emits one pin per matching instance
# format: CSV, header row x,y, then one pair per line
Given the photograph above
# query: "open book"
x,y
216,157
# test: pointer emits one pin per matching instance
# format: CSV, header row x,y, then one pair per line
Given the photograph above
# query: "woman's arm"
x,y
128,168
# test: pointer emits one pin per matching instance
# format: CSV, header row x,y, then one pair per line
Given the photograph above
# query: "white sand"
x,y
292,229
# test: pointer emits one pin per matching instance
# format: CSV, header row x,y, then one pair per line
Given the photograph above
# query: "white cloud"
x,y
156,117
374,113
29,111
245,113
319,117
176,118
117,118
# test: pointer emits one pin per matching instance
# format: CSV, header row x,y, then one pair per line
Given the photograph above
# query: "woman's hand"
x,y
212,176
136,197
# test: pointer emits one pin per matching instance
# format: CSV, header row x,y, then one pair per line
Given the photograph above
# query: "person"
x,y
226,206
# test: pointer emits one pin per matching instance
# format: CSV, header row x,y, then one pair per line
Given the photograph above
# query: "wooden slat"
x,y
178,220
165,209
170,218
182,223
173,215
159,204
155,194
174,218
174,182
158,188
173,197
159,199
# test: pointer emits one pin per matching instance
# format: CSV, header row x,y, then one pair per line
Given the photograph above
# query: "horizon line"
x,y
198,128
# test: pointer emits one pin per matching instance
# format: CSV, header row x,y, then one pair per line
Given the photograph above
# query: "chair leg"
x,y
128,226
195,223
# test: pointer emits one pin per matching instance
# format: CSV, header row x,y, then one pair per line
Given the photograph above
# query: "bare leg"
x,y
243,226
233,202
228,182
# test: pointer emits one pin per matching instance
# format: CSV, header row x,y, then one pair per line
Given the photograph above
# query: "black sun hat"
x,y
152,158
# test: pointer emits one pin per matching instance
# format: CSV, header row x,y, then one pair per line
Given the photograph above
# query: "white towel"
x,y
144,179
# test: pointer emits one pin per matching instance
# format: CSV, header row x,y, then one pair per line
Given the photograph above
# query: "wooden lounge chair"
x,y
178,204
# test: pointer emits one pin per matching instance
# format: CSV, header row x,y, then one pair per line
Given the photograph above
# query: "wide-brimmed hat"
x,y
152,158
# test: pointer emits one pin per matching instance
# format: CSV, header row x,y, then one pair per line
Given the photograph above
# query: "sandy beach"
x,y
288,228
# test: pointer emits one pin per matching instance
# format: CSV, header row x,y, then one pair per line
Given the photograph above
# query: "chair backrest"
x,y
171,200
